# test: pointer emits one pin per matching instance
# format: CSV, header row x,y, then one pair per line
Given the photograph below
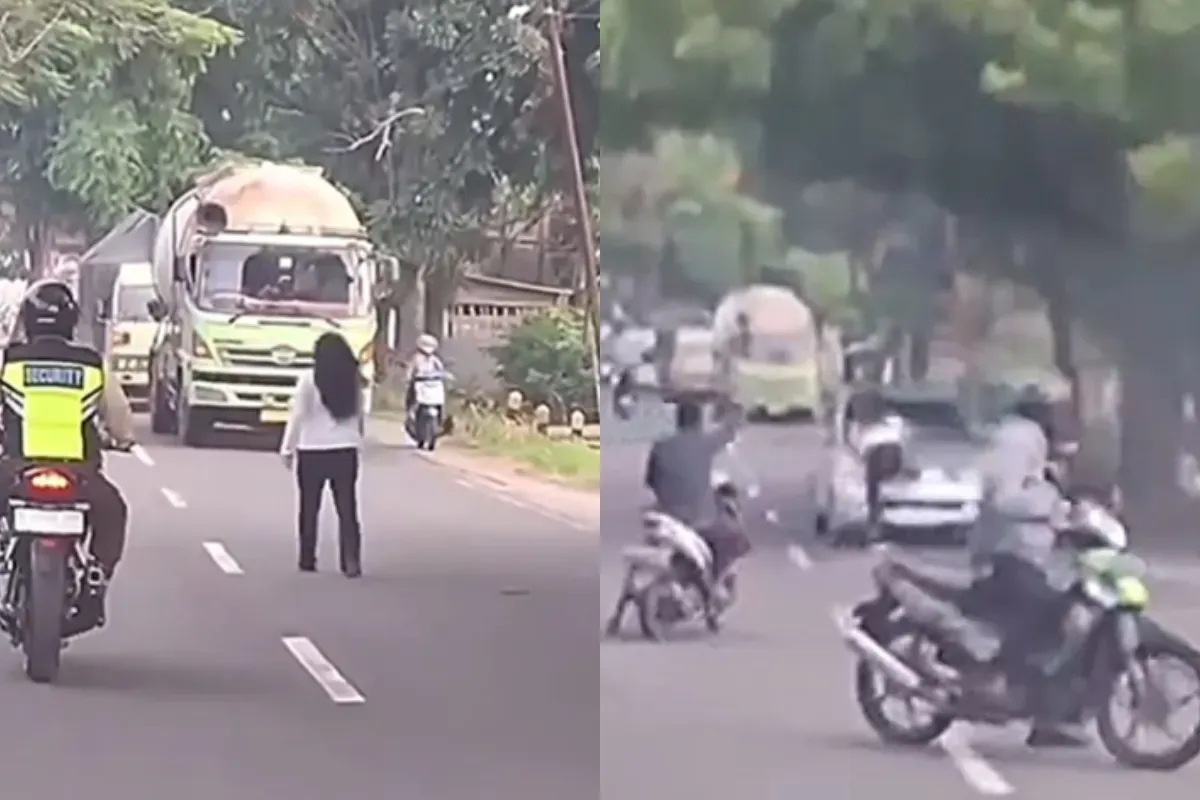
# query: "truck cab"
x,y
252,267
130,330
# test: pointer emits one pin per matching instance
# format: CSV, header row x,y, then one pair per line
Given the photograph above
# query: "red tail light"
x,y
49,484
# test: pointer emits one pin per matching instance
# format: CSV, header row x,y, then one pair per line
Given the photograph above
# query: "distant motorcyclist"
x,y
1024,575
878,435
679,471
426,365
55,395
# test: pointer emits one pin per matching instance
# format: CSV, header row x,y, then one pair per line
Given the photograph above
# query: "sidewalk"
x,y
580,509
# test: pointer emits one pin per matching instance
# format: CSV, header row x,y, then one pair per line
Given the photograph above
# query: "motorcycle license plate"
x,y
430,393
48,522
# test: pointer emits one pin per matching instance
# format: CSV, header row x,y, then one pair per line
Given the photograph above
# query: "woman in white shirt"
x,y
322,441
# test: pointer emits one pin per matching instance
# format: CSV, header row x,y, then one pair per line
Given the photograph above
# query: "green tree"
x,y
94,118
546,358
420,109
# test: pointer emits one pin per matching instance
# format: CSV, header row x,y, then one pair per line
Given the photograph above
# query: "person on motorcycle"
x,y
679,472
55,395
1013,547
425,365
879,437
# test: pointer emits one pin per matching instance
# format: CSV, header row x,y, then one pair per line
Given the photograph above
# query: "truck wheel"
x,y
193,427
162,419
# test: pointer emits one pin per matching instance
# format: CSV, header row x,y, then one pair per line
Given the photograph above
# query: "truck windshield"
x,y
246,278
783,349
132,301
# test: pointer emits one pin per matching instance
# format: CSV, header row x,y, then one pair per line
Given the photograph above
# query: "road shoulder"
x,y
507,478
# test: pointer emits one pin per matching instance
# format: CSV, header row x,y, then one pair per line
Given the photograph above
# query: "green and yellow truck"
x,y
250,267
772,353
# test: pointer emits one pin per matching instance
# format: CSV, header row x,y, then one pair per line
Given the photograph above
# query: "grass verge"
x,y
569,460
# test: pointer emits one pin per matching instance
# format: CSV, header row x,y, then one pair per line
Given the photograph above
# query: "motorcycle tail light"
x,y
49,484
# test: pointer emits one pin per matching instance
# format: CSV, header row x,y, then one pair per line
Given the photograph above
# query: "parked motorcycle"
x,y
666,577
1110,648
47,563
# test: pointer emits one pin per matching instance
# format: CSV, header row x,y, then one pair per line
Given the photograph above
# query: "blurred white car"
x,y
939,491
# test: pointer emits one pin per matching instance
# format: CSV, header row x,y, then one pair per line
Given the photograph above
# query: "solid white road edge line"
x,y
174,498
322,671
974,769
221,557
140,453
798,556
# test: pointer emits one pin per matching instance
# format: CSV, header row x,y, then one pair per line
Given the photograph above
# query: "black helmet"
x,y
49,309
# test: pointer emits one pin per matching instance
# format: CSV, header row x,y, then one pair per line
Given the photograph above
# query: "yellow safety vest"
x,y
51,394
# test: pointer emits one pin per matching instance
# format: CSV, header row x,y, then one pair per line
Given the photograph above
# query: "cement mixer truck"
x,y
250,267
772,354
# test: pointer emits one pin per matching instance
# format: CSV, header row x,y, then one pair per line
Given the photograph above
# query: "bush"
x,y
547,359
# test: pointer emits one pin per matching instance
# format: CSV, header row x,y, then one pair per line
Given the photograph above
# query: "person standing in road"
x,y
322,441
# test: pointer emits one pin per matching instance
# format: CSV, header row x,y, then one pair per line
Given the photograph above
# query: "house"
x,y
486,307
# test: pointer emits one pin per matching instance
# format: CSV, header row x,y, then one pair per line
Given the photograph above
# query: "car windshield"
x,y
132,303
245,278
940,418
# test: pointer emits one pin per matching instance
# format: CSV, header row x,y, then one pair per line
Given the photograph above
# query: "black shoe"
x,y
1055,736
352,568
308,566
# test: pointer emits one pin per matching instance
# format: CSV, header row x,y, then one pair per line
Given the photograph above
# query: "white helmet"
x,y
427,343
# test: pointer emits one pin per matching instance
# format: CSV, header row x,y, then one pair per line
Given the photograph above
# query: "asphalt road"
x,y
462,666
764,710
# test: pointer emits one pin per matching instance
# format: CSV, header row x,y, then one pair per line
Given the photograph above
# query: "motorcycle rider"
x,y
1013,546
679,472
426,365
55,394
879,437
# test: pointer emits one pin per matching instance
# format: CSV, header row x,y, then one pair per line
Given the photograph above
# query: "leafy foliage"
x,y
545,357
94,103
418,108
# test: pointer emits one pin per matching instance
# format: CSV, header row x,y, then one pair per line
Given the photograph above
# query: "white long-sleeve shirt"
x,y
311,427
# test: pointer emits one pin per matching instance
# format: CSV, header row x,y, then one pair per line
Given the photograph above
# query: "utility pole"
x,y
583,212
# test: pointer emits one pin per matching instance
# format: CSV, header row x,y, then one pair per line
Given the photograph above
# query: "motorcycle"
x,y
425,418
1108,648
667,576
47,563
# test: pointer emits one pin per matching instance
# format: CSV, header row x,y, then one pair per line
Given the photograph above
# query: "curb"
x,y
575,507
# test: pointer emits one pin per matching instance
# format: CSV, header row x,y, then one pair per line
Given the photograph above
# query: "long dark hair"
x,y
335,372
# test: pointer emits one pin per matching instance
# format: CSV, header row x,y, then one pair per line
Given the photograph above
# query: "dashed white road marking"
x,y
799,556
322,671
141,455
222,558
975,770
174,498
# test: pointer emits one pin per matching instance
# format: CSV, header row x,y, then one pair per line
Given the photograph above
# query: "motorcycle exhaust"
x,y
867,648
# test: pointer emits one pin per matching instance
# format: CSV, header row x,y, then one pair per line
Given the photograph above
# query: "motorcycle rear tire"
x,y
45,604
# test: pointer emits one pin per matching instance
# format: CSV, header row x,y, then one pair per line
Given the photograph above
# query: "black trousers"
x,y
339,469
